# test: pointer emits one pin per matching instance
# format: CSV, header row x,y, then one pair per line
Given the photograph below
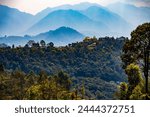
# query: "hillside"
x,y
95,62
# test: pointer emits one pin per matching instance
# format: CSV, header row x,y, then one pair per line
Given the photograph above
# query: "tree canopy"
x,y
137,51
96,62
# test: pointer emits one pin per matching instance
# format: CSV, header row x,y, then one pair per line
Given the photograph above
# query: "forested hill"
x,y
90,58
96,61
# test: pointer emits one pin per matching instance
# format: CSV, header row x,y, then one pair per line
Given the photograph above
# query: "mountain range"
x,y
89,19
116,24
132,14
48,10
61,36
69,18
13,21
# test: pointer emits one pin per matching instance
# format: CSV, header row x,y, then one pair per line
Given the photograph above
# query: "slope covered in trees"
x,y
94,64
18,85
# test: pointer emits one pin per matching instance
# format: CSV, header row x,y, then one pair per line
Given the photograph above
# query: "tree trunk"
x,y
146,67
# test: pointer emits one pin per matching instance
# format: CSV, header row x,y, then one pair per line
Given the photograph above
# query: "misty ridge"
x,y
70,23
60,36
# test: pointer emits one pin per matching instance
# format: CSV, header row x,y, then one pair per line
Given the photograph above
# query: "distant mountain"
x,y
90,19
69,18
16,40
134,15
60,37
3,45
117,25
81,6
42,14
13,21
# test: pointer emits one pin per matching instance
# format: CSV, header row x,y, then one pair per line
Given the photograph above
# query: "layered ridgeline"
x,y
95,20
13,21
48,10
89,19
69,18
93,62
132,14
116,24
61,36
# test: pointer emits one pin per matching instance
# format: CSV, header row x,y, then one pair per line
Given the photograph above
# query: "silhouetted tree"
x,y
51,44
42,43
1,68
137,50
30,43
13,46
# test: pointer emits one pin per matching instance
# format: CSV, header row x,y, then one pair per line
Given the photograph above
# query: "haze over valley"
x,y
88,19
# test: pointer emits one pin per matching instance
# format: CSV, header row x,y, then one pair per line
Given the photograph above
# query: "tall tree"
x,y
30,43
51,44
137,50
134,78
1,68
64,80
19,88
42,43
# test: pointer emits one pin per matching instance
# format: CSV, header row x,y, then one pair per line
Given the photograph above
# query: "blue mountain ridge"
x,y
60,37
115,23
133,14
13,21
90,19
69,18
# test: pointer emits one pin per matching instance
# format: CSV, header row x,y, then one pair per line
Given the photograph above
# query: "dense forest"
x,y
94,63
104,68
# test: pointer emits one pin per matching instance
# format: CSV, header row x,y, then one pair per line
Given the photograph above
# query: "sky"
x,y
35,6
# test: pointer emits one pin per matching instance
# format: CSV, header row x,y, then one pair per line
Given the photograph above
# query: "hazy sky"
x,y
34,6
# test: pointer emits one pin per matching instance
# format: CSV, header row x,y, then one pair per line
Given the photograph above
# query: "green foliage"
x,y
96,62
123,88
135,87
135,81
137,93
134,74
1,68
83,91
133,49
18,78
137,51
90,58
63,79
18,85
33,93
